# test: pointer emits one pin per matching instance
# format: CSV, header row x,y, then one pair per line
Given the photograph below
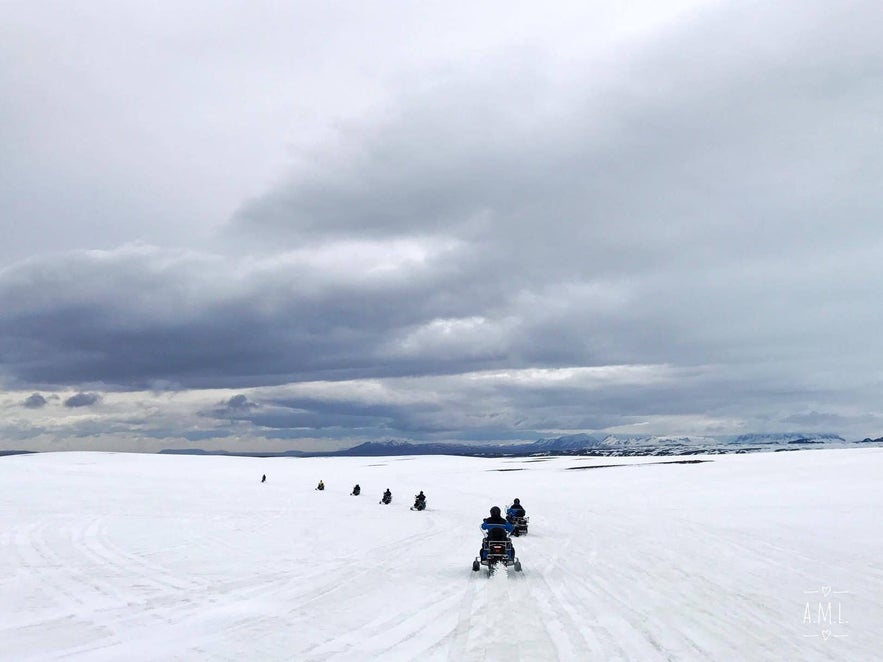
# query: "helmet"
x,y
495,511
516,502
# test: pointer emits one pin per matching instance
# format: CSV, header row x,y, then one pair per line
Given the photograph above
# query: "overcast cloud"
x,y
259,228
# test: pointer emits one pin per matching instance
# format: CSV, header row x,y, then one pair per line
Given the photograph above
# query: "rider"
x,y
356,490
497,529
387,496
320,486
420,499
515,510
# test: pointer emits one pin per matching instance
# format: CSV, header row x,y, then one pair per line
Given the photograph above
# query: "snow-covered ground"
x,y
146,557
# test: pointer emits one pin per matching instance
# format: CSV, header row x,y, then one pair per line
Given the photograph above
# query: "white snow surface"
x,y
107,556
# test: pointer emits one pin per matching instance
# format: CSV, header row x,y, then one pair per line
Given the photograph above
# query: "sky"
x,y
260,226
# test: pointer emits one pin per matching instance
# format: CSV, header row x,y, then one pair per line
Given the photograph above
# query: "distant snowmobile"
x,y
387,497
419,501
518,518
356,490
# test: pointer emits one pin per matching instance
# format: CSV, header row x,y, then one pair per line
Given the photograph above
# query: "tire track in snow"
x,y
47,568
497,621
645,600
63,583
95,544
169,583
393,558
591,607
411,637
572,616
567,616
465,613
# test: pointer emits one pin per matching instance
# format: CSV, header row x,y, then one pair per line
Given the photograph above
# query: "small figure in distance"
x,y
320,486
264,479
387,496
419,501
356,490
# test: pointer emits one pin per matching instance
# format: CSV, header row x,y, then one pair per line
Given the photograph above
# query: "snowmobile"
x,y
496,549
386,498
356,491
419,504
520,524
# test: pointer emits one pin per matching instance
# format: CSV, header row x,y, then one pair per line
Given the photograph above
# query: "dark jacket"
x,y
496,523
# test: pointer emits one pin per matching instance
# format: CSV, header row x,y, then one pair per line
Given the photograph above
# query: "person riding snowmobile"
x,y
387,496
497,528
515,510
320,486
419,501
356,490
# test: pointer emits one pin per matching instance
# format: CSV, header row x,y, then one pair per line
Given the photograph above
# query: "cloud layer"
x,y
675,229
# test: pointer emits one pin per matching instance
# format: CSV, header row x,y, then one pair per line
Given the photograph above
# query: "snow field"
x,y
145,557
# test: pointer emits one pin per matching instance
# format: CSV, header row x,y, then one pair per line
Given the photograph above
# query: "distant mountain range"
x,y
578,444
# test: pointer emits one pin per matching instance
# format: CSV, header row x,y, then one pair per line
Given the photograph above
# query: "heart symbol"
x,y
826,591
826,634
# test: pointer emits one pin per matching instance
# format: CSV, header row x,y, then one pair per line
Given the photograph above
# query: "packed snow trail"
x,y
144,557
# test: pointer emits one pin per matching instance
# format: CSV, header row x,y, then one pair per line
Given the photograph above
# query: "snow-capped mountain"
x,y
573,442
612,444
580,444
784,438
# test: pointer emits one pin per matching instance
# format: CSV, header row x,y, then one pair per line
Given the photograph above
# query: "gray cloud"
x,y
818,420
35,401
717,182
703,197
240,403
123,318
82,400
237,407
